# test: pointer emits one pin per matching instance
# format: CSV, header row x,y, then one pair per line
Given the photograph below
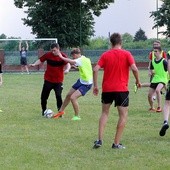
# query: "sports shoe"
x,y
1,110
76,118
152,110
97,144
119,146
135,88
59,114
163,129
158,109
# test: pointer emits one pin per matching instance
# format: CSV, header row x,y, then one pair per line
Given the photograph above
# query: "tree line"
x,y
139,41
72,21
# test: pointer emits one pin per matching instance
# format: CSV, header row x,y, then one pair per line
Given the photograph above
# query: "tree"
x,y
162,17
71,21
98,43
127,38
3,36
140,35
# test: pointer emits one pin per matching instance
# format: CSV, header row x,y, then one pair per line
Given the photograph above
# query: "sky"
x,y
123,16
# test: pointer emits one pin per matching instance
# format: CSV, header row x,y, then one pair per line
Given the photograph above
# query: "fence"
x,y
11,59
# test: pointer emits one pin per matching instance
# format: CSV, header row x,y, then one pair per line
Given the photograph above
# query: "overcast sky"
x,y
122,16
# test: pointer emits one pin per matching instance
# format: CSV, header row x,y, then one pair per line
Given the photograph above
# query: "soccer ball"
x,y
48,113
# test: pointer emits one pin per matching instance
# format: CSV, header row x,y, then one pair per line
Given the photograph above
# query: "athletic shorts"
x,y
167,97
120,98
23,61
83,88
154,85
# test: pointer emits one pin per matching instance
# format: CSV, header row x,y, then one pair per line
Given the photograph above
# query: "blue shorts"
x,y
83,88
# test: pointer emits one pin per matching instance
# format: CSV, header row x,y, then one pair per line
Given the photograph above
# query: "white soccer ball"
x,y
48,113
153,98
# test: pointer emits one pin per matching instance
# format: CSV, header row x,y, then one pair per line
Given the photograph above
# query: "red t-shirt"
x,y
55,67
116,63
151,54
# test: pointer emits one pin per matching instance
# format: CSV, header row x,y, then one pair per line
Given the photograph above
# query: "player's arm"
x,y
136,74
95,80
27,46
66,59
19,46
168,61
67,68
38,62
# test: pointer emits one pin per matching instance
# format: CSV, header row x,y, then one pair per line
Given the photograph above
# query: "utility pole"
x,y
157,11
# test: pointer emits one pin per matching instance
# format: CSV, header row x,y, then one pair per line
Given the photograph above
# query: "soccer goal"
x,y
10,51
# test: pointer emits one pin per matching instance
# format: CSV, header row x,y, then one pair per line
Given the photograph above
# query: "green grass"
x,y
29,141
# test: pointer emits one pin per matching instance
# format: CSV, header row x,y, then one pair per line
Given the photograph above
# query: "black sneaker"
x,y
119,146
163,129
97,144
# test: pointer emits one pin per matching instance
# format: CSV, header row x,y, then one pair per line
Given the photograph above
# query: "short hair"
x,y
115,39
157,41
54,45
75,51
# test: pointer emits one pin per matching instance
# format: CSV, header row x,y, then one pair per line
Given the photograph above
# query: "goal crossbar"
x,y
35,39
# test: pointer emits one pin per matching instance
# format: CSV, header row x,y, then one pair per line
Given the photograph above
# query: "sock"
x,y
165,121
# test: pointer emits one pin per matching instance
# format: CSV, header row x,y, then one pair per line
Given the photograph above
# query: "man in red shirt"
x,y
115,63
54,75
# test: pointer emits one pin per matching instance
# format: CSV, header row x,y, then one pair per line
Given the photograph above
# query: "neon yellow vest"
x,y
160,74
85,70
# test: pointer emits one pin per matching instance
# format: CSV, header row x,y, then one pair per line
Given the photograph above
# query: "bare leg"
x,y
103,120
150,94
158,93
145,84
67,100
166,110
26,67
74,102
123,113
22,68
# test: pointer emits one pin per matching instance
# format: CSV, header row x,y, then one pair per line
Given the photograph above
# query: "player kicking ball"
x,y
83,84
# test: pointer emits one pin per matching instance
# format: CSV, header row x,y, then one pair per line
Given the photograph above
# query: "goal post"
x,y
35,39
10,51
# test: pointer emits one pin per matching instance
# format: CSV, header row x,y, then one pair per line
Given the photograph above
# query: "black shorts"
x,y
154,85
167,97
23,61
120,98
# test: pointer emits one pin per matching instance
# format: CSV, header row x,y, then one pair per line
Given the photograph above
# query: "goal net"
x,y
10,53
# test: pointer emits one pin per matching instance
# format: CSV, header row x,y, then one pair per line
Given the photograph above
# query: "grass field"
x,y
31,142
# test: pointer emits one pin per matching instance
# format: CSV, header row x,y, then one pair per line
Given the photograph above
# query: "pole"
x,y
157,11
80,24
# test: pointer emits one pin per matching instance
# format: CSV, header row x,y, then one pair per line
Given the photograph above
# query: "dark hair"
x,y
115,39
54,45
75,51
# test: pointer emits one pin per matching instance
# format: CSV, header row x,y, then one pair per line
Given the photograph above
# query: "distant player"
x,y
54,75
116,63
83,84
158,69
23,57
